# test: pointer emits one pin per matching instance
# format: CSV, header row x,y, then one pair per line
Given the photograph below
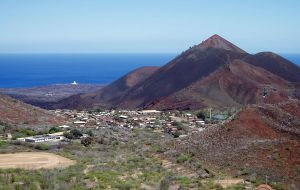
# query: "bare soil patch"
x,y
34,160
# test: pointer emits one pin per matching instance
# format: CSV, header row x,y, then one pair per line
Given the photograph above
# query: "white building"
x,y
44,138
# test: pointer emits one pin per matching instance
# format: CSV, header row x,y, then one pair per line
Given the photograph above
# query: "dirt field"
x,y
34,160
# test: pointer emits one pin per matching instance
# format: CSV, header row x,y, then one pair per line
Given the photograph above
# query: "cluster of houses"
x,y
168,122
164,121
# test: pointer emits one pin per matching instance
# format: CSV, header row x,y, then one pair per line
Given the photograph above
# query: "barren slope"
x,y
236,83
16,112
276,65
105,96
259,141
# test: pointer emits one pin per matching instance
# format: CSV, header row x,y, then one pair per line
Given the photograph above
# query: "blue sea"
x,y
29,70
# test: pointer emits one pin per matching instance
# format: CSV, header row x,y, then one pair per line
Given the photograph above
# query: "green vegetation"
x,y
3,144
201,115
114,160
19,133
54,130
183,158
41,146
185,181
73,134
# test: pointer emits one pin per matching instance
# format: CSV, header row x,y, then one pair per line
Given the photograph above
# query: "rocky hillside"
x,y
213,73
236,83
276,65
13,111
261,140
107,95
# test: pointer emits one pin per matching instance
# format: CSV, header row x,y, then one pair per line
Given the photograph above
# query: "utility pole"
x,y
266,180
210,113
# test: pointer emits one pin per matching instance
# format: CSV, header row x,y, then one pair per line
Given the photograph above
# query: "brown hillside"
x,y
16,112
236,83
105,96
193,65
213,73
276,65
260,140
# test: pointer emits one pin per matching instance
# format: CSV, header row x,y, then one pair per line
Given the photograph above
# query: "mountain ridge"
x,y
193,66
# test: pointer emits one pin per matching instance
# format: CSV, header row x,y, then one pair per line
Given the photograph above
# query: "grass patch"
x,y
182,158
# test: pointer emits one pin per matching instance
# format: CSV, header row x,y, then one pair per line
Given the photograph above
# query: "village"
x,y
175,123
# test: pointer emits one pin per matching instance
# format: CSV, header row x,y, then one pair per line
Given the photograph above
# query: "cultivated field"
x,y
34,160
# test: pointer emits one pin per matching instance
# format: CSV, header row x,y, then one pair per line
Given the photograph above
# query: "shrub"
x,y
54,130
3,144
90,133
42,146
73,134
76,133
185,181
182,158
165,183
201,115
87,141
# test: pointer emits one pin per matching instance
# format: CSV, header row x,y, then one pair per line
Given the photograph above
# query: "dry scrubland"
x,y
118,158
258,141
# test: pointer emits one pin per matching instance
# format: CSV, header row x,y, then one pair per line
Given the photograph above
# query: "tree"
x,y
76,133
73,134
201,115
68,135
54,130
90,133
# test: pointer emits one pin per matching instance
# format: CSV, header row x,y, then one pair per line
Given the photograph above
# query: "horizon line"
x,y
31,53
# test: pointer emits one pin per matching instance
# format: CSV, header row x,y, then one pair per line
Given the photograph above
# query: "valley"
x,y
215,117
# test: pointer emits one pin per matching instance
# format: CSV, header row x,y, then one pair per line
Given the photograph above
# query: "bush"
x,y
90,133
68,135
73,134
3,144
76,133
185,181
182,158
165,183
54,130
201,115
42,147
87,141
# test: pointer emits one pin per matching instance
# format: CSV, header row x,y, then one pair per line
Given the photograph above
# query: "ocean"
x,y
29,70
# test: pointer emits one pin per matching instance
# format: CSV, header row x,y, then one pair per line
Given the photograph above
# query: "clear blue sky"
x,y
61,26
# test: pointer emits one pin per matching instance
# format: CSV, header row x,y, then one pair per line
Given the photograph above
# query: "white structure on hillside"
x,y
43,138
148,111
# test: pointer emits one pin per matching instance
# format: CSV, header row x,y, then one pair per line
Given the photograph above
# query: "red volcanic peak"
x,y
217,41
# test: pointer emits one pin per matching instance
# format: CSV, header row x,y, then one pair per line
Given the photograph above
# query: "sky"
x,y
140,26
